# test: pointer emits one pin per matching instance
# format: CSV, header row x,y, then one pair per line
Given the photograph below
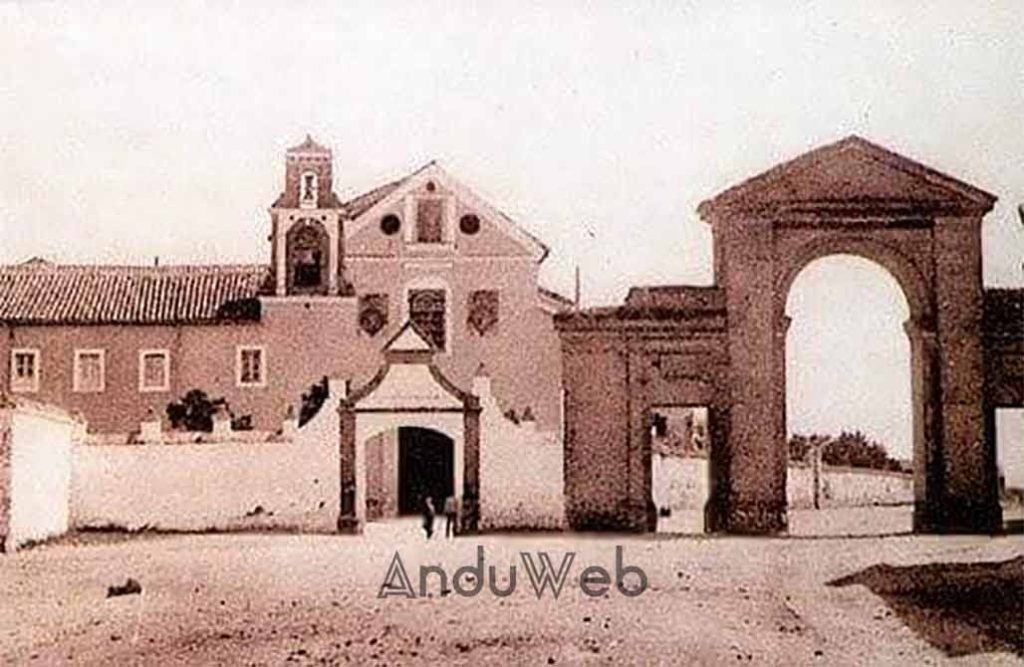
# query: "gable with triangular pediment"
x,y
852,175
431,212
408,339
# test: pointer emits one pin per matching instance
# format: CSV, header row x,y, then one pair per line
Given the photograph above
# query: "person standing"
x,y
428,516
451,514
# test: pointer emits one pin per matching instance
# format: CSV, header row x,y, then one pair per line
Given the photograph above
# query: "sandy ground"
x,y
847,521
307,600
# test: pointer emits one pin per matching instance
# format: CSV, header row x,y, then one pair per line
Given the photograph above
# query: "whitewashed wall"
x,y
521,482
40,472
293,484
848,487
679,483
682,484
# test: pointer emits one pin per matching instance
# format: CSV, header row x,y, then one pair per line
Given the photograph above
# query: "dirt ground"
x,y
313,599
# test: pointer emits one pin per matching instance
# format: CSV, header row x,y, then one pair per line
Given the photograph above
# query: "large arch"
x,y
864,387
851,197
924,228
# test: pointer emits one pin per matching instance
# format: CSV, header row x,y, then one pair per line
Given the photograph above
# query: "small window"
x,y
307,190
251,367
154,370
90,370
427,310
390,224
25,370
469,224
429,221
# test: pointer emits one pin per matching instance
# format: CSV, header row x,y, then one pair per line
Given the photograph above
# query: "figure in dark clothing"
x,y
428,516
451,514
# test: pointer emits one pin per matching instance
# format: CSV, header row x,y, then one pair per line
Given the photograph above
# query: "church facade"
x,y
119,343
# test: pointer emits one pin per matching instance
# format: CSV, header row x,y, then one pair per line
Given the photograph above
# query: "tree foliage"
x,y
195,411
850,449
313,400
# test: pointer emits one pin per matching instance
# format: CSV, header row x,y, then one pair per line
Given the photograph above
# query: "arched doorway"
x,y
404,465
849,401
426,468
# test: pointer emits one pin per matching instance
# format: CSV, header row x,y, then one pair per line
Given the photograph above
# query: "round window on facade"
x,y
390,224
469,224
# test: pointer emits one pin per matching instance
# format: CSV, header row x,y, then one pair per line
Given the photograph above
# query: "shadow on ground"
x,y
960,608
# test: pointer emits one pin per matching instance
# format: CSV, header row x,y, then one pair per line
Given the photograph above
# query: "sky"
x,y
130,131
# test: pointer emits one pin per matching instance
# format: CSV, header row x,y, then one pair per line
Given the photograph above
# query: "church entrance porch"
x,y
406,434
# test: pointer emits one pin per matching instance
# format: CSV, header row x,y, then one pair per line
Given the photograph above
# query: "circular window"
x,y
390,224
430,186
469,224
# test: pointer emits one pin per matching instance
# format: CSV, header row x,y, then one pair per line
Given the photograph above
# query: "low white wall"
x,y
40,472
292,484
681,483
521,482
848,487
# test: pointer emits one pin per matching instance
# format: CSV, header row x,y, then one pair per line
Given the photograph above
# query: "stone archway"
x,y
923,227
851,197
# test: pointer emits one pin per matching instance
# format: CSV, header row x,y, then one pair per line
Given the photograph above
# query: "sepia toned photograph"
x,y
512,333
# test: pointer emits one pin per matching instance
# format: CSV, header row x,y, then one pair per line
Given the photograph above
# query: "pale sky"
x,y
129,131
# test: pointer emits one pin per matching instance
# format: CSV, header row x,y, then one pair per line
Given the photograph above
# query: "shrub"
x,y
848,449
194,412
313,400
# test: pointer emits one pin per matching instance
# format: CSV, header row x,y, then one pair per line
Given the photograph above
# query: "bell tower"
x,y
306,220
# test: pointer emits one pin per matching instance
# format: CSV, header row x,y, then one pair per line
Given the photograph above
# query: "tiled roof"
x,y
356,206
43,293
561,301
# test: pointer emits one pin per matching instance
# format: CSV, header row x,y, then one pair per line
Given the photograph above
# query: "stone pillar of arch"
x,y
751,488
926,403
970,500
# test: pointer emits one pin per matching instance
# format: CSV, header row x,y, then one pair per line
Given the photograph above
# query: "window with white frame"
x,y
154,370
251,366
89,371
24,370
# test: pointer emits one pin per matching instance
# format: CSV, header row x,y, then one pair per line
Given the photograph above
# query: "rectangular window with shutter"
x,y
251,366
24,370
430,221
89,372
154,370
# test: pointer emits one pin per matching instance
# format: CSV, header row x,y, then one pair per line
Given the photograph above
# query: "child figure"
x,y
451,513
428,516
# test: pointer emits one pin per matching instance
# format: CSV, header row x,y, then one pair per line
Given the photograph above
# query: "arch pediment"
x,y
850,178
409,381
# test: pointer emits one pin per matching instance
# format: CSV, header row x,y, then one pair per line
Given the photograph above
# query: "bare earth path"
x,y
306,600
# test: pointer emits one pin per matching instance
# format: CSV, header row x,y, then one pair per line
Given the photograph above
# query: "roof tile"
x,y
39,293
